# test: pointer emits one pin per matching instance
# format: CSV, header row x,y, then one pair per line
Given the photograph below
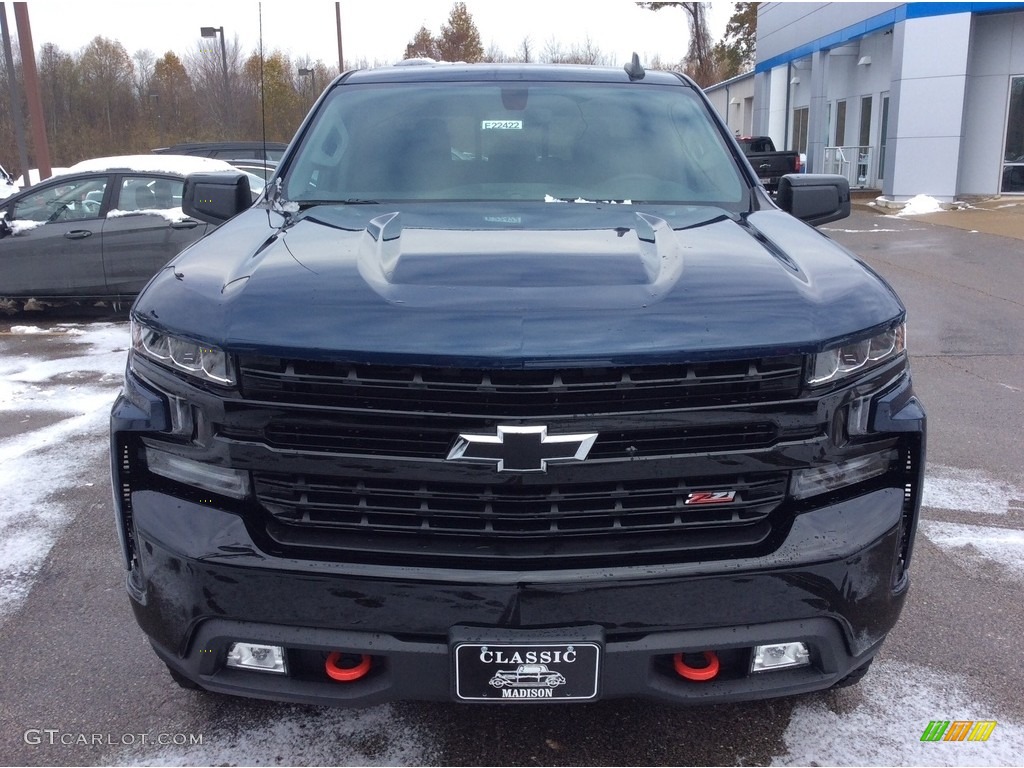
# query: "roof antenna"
x,y
263,92
635,69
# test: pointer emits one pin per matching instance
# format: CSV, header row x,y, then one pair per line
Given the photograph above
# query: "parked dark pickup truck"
x,y
514,367
769,164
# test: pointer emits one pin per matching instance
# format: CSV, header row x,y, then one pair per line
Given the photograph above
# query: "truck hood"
x,y
508,285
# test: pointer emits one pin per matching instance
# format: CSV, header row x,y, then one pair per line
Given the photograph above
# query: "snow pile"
x,y
919,204
880,722
30,330
70,398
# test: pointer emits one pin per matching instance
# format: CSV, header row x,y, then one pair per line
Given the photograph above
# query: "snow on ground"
x,y
970,491
880,722
919,204
995,501
873,231
302,736
70,398
977,545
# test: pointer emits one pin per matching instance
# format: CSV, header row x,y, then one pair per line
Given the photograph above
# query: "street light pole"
x,y
311,74
214,32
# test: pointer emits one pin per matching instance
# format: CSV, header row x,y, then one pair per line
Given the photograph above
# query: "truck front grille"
x,y
491,524
521,392
349,461
431,438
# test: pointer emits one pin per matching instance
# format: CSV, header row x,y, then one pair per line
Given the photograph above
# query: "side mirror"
x,y
5,225
816,198
215,197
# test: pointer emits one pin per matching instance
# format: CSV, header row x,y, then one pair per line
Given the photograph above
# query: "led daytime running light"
x,y
841,362
199,360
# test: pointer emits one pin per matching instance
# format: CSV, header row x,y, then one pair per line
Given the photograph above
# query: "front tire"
x,y
184,682
854,677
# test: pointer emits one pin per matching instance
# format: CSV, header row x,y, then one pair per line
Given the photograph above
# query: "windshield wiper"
x,y
306,204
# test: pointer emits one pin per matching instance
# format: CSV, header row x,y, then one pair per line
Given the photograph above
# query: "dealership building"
x,y
907,98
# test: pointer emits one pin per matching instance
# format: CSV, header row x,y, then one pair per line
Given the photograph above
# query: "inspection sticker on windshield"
x,y
502,125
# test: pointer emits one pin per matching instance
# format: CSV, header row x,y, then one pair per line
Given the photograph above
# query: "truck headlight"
x,y
858,356
222,480
812,481
191,357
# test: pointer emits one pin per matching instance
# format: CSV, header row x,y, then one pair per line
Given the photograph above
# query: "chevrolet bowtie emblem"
x,y
522,449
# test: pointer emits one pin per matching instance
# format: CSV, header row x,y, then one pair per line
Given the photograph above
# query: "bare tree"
x,y
108,77
219,98
144,61
587,53
60,82
700,60
495,55
525,53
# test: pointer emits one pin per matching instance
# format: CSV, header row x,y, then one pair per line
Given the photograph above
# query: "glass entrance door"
x,y
1013,154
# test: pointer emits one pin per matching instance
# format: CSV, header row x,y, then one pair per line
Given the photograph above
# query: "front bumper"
x,y
200,584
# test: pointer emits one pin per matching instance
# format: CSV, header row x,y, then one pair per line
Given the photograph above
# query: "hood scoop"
x,y
648,255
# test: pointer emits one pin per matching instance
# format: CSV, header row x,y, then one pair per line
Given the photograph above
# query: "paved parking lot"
x,y
80,686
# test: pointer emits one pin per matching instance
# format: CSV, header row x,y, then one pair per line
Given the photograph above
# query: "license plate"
x,y
526,671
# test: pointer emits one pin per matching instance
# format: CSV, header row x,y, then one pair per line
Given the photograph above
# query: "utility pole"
x,y
32,94
12,82
341,59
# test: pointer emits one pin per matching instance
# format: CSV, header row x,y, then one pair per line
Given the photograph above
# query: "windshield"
x,y
510,141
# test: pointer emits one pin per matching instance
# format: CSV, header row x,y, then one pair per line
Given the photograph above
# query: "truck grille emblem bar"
x,y
521,449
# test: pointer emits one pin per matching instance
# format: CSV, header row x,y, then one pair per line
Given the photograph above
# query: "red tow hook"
x,y
346,674
698,674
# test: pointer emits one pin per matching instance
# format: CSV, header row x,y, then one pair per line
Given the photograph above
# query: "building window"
x,y
1013,156
865,121
840,123
864,153
883,136
800,118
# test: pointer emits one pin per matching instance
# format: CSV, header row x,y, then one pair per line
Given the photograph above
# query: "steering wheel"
x,y
60,212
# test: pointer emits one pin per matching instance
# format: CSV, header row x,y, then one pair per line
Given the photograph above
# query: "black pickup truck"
x,y
512,368
768,163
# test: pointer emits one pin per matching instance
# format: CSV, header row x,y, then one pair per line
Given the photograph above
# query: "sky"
x,y
377,30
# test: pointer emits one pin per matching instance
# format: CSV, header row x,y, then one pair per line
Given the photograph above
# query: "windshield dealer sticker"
x,y
502,125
